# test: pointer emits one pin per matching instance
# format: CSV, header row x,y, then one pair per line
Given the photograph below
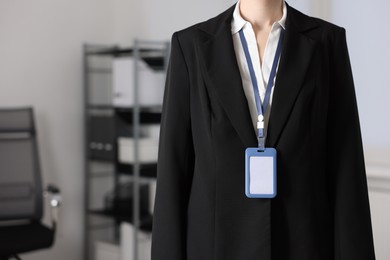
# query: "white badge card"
x,y
260,173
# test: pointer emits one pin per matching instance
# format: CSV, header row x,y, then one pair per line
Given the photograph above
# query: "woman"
x,y
261,75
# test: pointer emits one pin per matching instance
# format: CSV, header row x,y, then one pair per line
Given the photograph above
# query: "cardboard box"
x,y
150,83
127,238
107,251
148,150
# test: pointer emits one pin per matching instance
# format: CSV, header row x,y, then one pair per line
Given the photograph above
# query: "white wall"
x,y
367,24
368,39
41,65
157,20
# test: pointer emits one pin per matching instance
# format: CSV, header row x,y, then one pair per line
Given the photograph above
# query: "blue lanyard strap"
x,y
261,108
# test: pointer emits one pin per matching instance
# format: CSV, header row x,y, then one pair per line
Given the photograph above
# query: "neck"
x,y
261,13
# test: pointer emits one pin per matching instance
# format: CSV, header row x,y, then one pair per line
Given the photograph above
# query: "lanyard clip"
x,y
260,129
261,138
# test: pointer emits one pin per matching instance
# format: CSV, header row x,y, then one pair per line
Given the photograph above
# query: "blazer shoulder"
x,y
329,29
209,26
307,23
330,33
185,38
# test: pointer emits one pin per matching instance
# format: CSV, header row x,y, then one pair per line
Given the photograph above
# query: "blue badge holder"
x,y
264,161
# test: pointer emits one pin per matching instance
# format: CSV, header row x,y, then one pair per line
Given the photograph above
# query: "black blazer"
x,y
321,211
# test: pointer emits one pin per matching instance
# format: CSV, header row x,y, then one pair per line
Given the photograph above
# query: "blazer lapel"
x,y
222,72
295,59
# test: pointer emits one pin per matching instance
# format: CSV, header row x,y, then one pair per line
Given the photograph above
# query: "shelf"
x,y
124,51
146,220
150,109
146,116
148,170
100,174
109,184
100,107
154,57
101,158
100,70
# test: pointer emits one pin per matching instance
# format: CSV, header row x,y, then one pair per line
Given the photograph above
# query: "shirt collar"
x,y
238,22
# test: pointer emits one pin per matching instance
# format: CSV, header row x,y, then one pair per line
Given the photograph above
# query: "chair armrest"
x,y
53,193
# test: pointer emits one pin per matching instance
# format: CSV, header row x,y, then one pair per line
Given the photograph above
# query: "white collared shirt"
x,y
262,71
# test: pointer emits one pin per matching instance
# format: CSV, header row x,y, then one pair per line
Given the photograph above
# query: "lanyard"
x,y
261,108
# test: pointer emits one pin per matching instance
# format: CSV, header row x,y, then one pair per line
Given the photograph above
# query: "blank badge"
x,y
260,173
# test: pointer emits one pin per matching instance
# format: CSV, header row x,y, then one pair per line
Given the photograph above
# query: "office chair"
x,y
21,192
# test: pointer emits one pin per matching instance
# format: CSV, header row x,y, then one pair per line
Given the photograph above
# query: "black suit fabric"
x,y
321,211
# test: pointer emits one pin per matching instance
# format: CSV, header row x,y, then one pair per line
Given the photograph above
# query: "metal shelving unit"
x,y
101,157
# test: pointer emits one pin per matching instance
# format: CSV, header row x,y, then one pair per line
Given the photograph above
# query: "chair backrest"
x,y
20,178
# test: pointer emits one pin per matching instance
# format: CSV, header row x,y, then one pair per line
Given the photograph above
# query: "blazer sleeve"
x,y
175,162
346,167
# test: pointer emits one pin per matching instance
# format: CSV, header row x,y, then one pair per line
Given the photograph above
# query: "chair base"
x,y
24,238
16,257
